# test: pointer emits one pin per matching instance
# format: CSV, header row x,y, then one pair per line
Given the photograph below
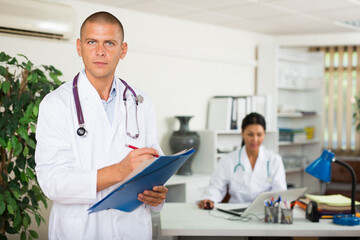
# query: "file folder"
x,y
124,197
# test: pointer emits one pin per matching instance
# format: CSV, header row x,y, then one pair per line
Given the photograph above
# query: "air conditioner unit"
x,y
36,18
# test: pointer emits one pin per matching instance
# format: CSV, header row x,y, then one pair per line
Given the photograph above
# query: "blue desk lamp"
x,y
321,169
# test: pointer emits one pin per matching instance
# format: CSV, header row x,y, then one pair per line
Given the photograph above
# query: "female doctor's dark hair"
x,y
252,118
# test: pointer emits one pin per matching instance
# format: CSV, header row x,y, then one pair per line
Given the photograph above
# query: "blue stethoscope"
x,y
239,164
81,131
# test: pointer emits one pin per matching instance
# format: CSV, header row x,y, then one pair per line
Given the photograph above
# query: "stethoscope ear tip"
x,y
139,98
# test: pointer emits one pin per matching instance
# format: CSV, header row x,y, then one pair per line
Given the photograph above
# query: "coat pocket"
x,y
69,229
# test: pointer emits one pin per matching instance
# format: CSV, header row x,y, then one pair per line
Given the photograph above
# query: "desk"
x,y
186,219
186,188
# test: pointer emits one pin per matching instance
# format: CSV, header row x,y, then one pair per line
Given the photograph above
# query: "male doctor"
x,y
77,171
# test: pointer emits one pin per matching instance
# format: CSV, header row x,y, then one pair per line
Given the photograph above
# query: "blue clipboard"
x,y
124,197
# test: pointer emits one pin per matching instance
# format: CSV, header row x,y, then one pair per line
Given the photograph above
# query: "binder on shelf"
x,y
262,105
234,116
150,173
242,110
249,104
220,112
227,112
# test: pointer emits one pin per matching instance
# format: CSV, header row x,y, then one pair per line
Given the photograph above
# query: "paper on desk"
x,y
332,200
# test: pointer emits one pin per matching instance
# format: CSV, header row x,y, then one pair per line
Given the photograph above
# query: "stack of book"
x,y
329,204
292,135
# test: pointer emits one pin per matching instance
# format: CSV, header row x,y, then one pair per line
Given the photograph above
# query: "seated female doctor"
x,y
248,171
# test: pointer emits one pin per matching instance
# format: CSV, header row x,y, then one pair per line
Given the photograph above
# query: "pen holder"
x,y
286,216
271,214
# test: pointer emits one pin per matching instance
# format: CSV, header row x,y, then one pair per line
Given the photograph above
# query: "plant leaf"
x,y
10,167
6,86
3,71
2,204
24,177
26,151
16,171
30,143
28,65
12,204
30,173
55,78
35,111
43,219
18,149
33,234
38,219
33,77
17,219
16,194
12,61
22,55
3,57
33,128
10,230
29,110
26,200
7,196
14,141
23,235
23,133
24,120
2,142
26,221
10,209
9,145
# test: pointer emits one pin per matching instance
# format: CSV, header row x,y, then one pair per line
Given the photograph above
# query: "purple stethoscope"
x,y
81,131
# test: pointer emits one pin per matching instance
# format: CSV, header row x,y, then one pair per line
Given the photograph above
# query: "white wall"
x,y
180,64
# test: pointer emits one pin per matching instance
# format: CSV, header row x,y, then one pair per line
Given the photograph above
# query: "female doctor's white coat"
x,y
66,164
246,183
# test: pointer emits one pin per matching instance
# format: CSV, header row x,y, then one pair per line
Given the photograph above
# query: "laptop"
x,y
257,206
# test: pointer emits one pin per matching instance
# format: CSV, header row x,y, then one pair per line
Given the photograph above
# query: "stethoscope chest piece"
x,y
81,131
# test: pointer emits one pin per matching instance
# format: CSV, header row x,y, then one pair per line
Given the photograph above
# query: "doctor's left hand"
x,y
154,197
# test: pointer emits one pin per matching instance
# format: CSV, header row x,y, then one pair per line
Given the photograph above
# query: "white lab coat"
x,y
66,164
245,183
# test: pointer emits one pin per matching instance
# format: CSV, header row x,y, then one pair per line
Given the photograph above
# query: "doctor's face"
x,y
101,48
253,136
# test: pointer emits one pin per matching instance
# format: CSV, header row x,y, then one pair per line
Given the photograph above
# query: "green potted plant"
x,y
22,87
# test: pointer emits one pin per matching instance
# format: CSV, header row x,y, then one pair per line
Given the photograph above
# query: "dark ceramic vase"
x,y
184,139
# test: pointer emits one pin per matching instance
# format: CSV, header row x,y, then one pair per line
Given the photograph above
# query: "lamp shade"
x,y
321,167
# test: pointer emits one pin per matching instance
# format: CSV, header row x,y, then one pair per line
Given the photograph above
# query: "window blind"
x,y
342,83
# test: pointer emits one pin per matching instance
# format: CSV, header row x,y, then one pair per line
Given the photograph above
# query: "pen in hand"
x,y
133,147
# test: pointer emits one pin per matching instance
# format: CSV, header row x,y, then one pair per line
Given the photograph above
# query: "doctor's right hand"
x,y
115,173
206,204
134,158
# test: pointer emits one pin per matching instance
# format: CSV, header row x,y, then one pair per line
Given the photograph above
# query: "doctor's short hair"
x,y
102,18
253,118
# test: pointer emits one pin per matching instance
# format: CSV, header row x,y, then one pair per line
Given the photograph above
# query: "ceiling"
x,y
274,17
